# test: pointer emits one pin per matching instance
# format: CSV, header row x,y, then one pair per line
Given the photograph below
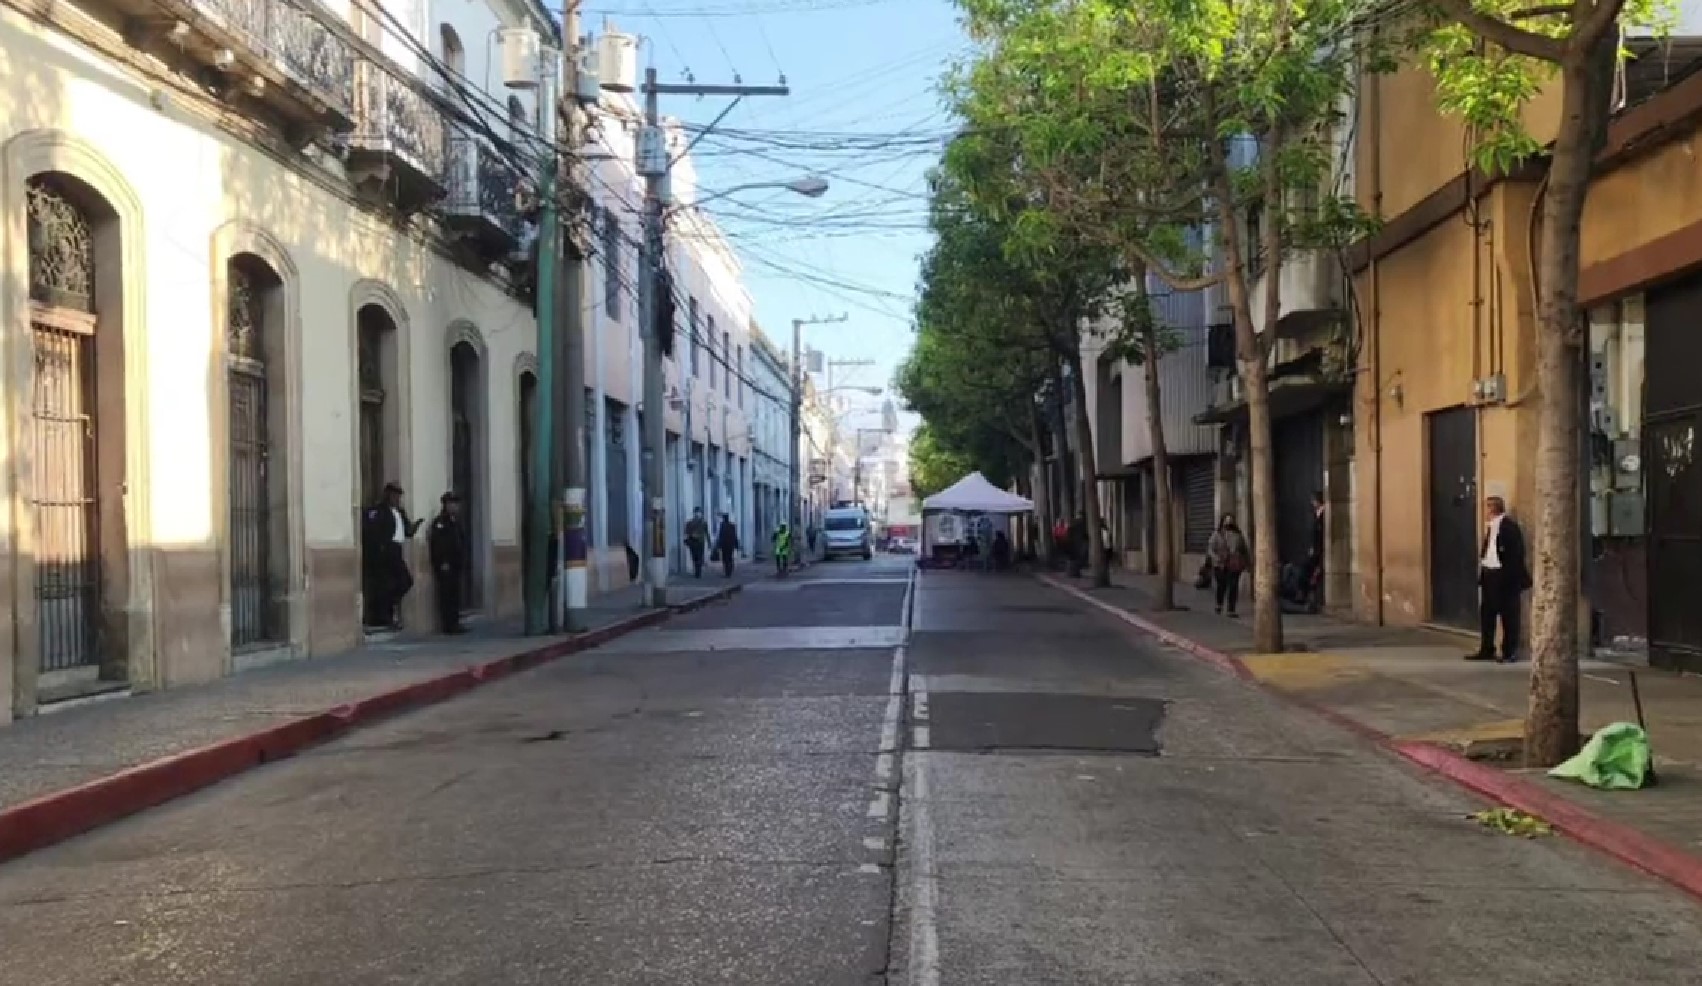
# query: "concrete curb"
x,y
60,815
1630,846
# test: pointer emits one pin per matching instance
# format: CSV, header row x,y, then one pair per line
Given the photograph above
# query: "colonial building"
x,y
771,424
262,260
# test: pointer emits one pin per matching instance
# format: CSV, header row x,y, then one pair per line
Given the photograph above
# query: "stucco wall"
x,y
1439,323
191,181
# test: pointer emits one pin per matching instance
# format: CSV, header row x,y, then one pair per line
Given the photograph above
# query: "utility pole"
x,y
538,498
572,476
798,480
653,165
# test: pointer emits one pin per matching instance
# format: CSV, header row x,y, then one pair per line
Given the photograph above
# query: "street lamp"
x,y
809,186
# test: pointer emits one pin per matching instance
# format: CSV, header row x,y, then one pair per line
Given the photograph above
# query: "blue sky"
x,y
864,112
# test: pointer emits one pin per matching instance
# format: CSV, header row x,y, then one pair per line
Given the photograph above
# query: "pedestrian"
x,y
448,543
385,532
697,538
1312,571
1227,553
1076,544
1503,575
727,545
782,548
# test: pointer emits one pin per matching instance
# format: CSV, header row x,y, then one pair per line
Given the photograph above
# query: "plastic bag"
x,y
1616,758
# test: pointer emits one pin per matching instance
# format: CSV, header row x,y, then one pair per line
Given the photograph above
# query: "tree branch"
x,y
1496,31
1587,32
1175,281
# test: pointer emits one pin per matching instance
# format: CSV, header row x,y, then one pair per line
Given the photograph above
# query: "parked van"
x,y
846,531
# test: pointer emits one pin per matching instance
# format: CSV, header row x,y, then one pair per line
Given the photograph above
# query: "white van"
x,y
845,531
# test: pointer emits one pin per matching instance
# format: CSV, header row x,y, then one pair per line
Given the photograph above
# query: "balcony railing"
x,y
290,42
481,186
399,123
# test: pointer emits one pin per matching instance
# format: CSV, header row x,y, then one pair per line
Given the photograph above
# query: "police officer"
x,y
448,543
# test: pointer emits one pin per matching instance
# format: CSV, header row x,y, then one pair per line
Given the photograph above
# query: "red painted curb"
x,y
60,815
1628,845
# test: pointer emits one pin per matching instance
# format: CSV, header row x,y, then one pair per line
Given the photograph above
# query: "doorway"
x,y
1452,447
465,430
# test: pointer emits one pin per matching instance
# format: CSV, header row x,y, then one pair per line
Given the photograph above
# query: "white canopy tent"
x,y
974,495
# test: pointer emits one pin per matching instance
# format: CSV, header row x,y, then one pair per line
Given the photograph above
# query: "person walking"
x,y
386,581
1227,552
1503,575
782,548
697,538
1312,572
727,545
448,543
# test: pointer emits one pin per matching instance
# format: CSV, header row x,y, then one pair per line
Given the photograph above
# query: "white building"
x,y
262,259
707,381
771,422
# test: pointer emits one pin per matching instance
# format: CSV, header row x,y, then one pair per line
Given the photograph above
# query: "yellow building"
x,y
1443,405
260,260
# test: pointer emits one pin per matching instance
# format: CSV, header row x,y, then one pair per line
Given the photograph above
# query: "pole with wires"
x,y
655,308
573,477
539,612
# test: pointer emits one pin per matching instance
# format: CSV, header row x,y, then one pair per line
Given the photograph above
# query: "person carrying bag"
x,y
1227,555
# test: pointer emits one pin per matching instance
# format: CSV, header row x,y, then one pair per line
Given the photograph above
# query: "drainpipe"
x,y
1375,111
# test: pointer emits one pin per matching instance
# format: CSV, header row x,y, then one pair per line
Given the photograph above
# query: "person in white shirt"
x,y
1503,575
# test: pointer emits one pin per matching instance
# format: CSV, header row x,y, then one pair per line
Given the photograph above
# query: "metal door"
x,y
250,514
371,376
1675,541
1453,516
63,494
1199,493
462,454
1297,444
615,475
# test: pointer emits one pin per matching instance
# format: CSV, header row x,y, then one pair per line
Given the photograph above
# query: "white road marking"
x,y
868,868
880,805
924,961
922,737
875,843
889,723
919,705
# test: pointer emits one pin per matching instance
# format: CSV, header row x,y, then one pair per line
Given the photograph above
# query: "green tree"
x,y
1490,59
1048,280
1136,120
932,467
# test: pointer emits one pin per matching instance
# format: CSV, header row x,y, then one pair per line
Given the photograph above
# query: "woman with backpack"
x,y
1227,553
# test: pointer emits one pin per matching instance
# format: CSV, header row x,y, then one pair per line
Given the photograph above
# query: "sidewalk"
x,y
1411,687
73,751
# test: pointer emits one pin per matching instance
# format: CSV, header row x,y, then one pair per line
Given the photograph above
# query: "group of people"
x,y
726,543
385,578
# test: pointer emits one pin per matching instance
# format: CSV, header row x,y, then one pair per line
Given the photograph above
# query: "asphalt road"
x,y
742,796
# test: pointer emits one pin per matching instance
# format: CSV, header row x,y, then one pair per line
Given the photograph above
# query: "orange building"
x,y
1444,408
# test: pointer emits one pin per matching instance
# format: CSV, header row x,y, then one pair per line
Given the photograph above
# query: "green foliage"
x,y
933,467
1491,58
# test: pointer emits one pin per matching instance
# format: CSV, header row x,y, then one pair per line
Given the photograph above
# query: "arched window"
x,y
454,55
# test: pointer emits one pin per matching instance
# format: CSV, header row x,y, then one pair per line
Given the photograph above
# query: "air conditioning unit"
x,y
521,47
617,62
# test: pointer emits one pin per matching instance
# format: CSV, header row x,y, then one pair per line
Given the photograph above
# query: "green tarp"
x,y
1617,758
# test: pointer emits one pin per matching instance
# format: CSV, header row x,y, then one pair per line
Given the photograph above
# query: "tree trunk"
x,y
1042,497
1255,382
1551,723
1060,448
1096,554
1164,539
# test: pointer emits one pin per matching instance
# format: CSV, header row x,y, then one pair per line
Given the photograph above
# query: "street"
x,y
742,796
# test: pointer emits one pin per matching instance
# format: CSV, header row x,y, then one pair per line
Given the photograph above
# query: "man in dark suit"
x,y
387,529
1503,575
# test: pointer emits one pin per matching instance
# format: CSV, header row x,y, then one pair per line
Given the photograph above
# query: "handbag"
x,y
1203,580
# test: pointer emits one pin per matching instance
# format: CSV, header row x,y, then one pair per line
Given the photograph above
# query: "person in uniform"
x,y
448,542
